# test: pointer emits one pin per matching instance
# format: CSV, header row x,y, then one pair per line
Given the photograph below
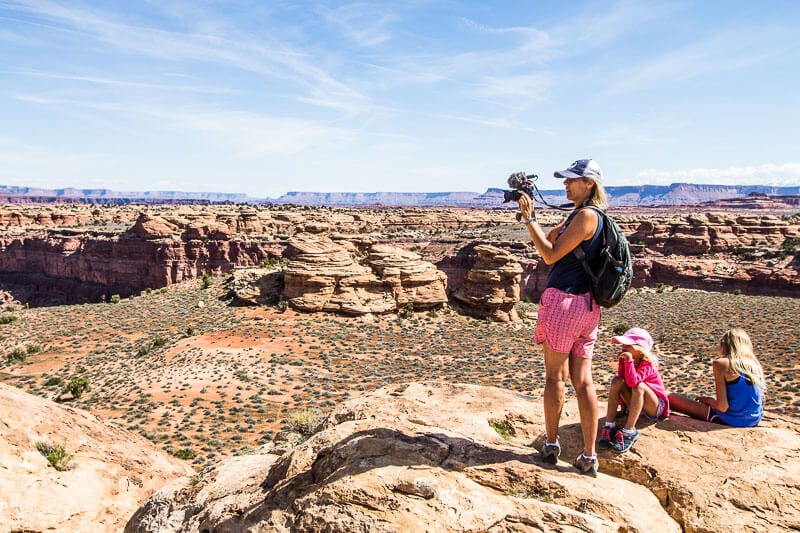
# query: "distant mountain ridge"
x,y
633,195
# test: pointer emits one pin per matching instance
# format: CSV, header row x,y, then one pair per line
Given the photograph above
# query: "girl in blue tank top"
x,y
739,383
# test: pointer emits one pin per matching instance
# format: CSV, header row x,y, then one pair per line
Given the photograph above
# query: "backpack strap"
x,y
580,255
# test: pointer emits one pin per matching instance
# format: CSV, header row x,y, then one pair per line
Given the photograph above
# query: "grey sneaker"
x,y
586,465
550,453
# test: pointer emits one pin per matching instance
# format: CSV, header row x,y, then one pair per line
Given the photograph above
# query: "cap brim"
x,y
566,174
622,339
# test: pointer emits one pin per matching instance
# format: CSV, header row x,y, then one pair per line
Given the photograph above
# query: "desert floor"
x,y
211,380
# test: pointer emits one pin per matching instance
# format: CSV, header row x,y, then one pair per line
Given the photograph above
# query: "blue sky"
x,y
419,95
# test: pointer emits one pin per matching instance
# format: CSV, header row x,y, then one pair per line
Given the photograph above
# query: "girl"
x,y
739,382
637,385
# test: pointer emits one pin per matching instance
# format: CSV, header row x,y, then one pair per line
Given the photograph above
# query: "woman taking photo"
x,y
568,319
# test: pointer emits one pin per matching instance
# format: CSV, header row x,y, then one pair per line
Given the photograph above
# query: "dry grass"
x,y
243,373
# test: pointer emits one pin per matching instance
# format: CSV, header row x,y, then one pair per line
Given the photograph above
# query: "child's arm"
x,y
720,403
633,375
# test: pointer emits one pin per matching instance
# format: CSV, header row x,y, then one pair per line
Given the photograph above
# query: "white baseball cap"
x,y
582,168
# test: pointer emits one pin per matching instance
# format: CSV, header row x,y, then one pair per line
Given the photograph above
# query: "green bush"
x,y
52,381
621,328
33,348
184,453
77,387
303,421
206,281
56,455
7,319
115,299
159,341
407,311
16,355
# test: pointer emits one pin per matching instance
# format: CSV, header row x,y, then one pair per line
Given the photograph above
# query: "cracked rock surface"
x,y
430,457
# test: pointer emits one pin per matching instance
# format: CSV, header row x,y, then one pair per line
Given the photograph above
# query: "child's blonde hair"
x,y
738,348
647,354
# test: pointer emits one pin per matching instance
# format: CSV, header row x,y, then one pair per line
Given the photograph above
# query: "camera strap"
x,y
562,207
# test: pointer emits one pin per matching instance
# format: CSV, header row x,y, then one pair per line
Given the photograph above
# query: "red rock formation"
x,y
324,275
491,287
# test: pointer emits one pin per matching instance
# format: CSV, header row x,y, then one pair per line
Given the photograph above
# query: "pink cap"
x,y
635,337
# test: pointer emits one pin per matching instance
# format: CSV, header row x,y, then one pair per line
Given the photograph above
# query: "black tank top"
x,y
568,274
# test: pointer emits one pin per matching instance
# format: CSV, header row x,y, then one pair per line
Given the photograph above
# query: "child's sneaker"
x,y
550,453
625,440
586,465
606,435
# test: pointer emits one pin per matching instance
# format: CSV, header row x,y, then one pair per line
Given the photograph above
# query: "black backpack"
x,y
612,274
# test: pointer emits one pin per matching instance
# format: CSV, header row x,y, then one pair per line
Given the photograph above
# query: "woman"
x,y
739,383
567,323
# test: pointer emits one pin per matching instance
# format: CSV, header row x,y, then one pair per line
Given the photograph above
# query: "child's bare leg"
x,y
642,397
687,406
613,398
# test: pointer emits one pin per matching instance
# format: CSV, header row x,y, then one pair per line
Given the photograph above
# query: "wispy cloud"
x,y
767,173
121,83
362,23
726,51
256,54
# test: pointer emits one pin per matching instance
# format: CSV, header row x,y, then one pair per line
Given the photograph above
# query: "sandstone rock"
x,y
255,286
492,286
152,227
113,470
412,280
425,457
325,276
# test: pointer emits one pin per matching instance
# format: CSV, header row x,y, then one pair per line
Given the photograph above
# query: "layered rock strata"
x,y
452,457
324,275
491,287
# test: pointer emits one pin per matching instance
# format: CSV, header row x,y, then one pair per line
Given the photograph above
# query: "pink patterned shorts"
x,y
566,323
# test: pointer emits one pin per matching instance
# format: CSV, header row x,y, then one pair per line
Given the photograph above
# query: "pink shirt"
x,y
646,373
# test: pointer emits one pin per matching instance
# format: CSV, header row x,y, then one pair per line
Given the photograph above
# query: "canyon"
x,y
80,253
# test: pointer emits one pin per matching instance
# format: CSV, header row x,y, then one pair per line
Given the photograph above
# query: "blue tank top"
x,y
744,403
568,274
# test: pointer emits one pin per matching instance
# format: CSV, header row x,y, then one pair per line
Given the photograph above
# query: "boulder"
x,y
111,471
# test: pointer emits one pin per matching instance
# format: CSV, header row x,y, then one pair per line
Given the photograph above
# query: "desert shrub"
x,y
621,328
17,355
790,244
7,319
52,381
56,455
242,374
189,331
407,311
661,287
283,305
77,387
206,283
502,427
159,341
304,421
115,298
33,348
184,453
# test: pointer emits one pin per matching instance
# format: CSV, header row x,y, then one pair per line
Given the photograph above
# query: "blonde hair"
x,y
738,348
647,354
598,198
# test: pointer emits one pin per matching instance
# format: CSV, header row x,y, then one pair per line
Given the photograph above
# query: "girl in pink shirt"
x,y
637,385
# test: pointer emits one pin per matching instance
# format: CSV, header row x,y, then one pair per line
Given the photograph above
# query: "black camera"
x,y
519,183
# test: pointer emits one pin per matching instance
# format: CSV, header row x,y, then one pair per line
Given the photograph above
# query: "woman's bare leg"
x,y
556,372
580,371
